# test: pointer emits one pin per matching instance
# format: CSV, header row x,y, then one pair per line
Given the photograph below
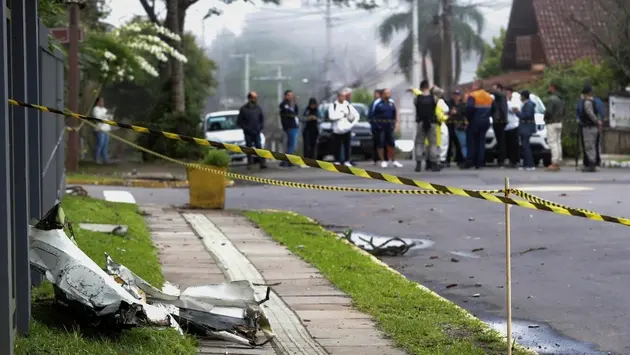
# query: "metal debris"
x,y
115,229
117,296
533,249
391,247
76,191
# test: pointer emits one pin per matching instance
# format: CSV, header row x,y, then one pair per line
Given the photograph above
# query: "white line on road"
x,y
554,188
119,196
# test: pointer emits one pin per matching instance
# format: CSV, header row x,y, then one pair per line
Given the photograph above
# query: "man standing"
x,y
478,112
512,146
499,120
426,127
554,115
375,135
456,129
289,117
590,125
385,116
526,127
252,121
343,117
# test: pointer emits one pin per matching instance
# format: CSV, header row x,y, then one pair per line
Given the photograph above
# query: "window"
x,y
221,123
523,48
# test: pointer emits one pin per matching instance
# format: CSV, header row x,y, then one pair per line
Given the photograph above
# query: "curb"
x,y
422,287
135,183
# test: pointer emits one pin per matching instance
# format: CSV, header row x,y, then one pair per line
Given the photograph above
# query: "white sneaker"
x,y
304,166
347,164
336,163
396,164
530,169
383,164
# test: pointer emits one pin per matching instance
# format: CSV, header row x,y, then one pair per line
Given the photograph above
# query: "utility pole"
x,y
446,72
246,57
415,56
328,59
72,158
279,78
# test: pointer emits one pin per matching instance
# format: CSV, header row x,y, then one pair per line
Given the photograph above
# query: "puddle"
x,y
542,338
360,238
464,254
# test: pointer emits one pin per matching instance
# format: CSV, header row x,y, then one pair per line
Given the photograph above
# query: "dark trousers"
x,y
525,132
454,148
499,134
513,150
341,141
310,142
253,140
476,142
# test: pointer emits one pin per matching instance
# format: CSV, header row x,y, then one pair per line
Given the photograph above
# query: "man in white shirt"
x,y
343,117
102,139
512,146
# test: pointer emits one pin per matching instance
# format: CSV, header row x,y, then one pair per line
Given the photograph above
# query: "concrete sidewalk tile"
x,y
322,309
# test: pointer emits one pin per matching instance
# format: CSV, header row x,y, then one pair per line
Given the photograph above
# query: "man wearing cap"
x,y
590,124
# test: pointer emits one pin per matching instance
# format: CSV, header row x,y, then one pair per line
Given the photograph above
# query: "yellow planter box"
x,y
206,190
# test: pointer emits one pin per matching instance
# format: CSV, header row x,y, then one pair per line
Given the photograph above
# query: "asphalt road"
x,y
575,276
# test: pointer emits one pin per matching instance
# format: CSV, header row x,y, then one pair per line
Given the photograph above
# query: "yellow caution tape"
x,y
336,168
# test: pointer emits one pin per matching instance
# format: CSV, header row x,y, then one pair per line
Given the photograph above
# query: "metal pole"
x,y
508,268
415,52
247,73
279,83
20,196
72,159
328,59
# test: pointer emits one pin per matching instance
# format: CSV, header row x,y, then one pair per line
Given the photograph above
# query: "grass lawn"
x,y
416,320
54,331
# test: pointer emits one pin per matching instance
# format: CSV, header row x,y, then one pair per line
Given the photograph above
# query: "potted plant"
x,y
207,189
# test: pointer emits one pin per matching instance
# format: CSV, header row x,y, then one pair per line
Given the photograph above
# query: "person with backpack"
x,y
588,115
426,127
343,117
478,112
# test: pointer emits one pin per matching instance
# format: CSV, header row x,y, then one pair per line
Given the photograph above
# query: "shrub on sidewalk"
x,y
216,157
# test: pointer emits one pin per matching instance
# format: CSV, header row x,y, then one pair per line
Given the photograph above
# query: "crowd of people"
x,y
447,130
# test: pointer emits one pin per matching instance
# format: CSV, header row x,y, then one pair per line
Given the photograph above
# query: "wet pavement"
x,y
568,272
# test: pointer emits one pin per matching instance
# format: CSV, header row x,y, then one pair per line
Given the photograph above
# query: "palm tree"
x,y
467,25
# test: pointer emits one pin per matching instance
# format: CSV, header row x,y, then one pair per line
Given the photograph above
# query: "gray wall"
x,y
31,152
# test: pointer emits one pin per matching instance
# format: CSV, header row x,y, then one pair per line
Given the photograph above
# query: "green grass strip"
x,y
55,331
416,320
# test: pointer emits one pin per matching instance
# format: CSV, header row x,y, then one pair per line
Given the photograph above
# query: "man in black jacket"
x,y
289,117
252,121
499,120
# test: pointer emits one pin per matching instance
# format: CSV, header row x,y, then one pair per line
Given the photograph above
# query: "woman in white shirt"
x,y
102,139
343,116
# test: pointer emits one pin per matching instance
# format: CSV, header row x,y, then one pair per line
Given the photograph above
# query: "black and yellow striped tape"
x,y
366,174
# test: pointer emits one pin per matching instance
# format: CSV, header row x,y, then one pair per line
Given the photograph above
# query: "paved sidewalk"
x,y
307,313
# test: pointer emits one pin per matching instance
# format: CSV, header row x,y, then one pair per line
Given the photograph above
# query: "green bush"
x,y
216,157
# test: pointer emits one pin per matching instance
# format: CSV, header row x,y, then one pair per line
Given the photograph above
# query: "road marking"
x,y
119,196
553,188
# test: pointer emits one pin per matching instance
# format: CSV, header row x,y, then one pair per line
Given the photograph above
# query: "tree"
x,y
467,25
362,95
491,60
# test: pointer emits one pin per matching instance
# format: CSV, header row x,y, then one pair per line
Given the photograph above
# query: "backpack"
x,y
425,108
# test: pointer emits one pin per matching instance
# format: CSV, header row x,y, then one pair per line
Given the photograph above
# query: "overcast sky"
x,y
497,15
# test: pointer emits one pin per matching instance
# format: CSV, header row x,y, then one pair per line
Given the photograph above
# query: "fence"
x,y
31,151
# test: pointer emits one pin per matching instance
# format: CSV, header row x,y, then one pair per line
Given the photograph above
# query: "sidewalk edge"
x,y
420,286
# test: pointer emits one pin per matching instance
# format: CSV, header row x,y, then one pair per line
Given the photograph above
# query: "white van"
x,y
221,127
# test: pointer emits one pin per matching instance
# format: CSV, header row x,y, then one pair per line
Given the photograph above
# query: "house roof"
x,y
564,40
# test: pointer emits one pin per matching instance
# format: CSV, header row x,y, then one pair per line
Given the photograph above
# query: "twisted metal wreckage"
x,y
117,296
390,247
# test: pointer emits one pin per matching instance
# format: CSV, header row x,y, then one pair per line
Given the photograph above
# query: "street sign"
x,y
62,34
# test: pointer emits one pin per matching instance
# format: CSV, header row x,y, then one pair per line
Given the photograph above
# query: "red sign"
x,y
62,34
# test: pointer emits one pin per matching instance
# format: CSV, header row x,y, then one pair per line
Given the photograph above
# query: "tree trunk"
x,y
176,67
458,64
425,72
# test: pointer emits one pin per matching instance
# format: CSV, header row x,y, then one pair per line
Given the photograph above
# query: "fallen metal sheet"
x,y
227,311
115,229
78,280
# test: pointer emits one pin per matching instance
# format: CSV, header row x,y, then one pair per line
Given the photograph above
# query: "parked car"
x,y
361,135
221,127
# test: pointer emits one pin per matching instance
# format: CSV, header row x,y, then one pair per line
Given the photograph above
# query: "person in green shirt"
x,y
554,115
